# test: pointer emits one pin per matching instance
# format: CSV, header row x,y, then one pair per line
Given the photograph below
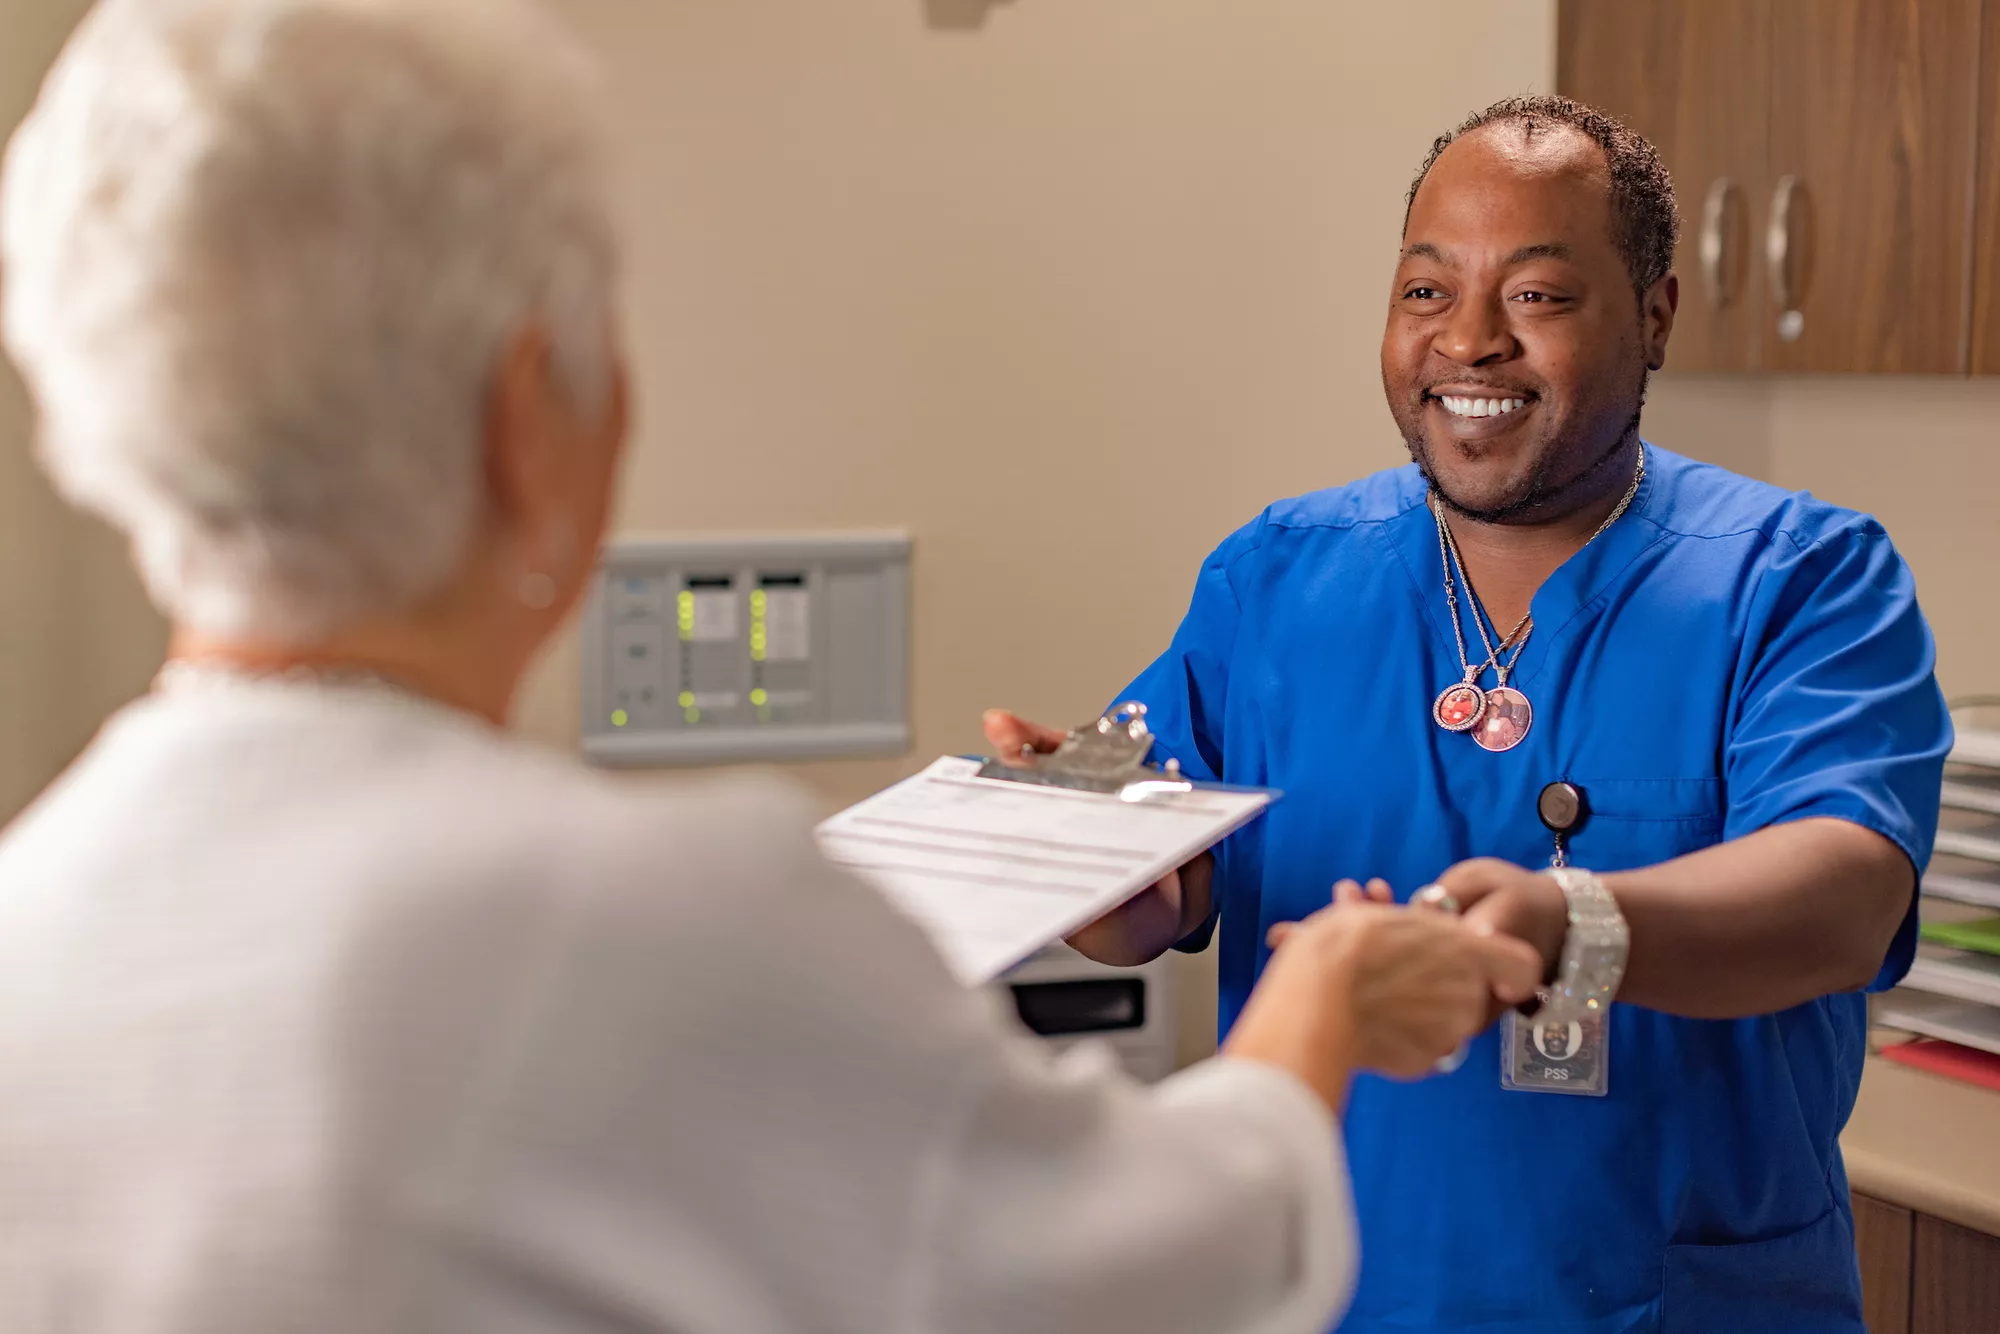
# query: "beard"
x,y
1544,490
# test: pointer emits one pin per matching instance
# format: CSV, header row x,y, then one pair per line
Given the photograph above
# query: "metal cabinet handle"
x,y
1789,201
1719,216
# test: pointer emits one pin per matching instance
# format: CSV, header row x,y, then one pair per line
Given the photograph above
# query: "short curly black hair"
x,y
1646,221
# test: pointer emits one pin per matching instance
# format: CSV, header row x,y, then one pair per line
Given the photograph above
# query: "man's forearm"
x,y
1145,927
1764,922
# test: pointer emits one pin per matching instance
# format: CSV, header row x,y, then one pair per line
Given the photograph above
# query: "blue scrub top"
x,y
1726,657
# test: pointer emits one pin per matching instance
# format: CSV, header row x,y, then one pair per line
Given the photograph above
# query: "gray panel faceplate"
x,y
724,649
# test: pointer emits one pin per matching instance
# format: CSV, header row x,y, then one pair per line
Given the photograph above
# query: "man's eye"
x,y
1422,294
1534,298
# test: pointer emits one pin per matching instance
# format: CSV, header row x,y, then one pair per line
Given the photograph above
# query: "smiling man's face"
x,y
1516,352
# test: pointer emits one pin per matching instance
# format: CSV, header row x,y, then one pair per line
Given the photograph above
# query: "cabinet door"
x,y
1986,215
1882,1239
1956,1280
1873,106
1692,76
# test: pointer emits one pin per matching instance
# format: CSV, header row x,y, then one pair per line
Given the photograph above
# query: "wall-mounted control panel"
x,y
717,650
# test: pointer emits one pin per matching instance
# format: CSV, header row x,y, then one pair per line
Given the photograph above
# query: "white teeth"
x,y
1459,405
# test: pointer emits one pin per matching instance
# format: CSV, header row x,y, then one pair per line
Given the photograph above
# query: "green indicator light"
x,y
619,718
758,601
687,699
760,697
692,715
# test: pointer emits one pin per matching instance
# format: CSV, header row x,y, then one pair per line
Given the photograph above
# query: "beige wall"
x,y
76,635
1920,453
1068,294
1070,297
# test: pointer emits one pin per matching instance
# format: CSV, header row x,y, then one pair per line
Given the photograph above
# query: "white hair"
x,y
261,260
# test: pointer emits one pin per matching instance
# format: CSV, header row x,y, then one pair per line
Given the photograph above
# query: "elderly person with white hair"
x,y
325,1006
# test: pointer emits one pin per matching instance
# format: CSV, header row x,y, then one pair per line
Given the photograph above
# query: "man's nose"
x,y
1476,333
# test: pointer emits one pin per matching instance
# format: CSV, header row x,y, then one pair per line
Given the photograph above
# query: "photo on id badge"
x,y
1544,1057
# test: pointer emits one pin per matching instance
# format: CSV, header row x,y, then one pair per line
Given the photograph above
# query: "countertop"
x,y
1927,1143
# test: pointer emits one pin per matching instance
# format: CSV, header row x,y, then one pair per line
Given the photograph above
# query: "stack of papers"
x,y
1982,936
994,870
1952,992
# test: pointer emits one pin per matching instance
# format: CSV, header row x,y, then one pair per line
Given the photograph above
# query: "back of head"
x,y
261,257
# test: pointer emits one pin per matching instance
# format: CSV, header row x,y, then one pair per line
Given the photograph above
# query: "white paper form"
x,y
994,870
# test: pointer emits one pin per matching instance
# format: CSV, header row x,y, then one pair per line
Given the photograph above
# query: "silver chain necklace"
x,y
1499,718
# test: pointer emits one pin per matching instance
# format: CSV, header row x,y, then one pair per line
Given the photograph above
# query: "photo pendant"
x,y
1505,720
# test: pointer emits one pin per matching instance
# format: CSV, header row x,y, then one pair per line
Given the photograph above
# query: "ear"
x,y
1657,313
521,442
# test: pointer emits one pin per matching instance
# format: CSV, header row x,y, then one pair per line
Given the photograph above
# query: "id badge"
x,y
1542,1057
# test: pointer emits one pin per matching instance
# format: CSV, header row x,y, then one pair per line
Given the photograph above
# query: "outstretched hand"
x,y
1013,736
1418,983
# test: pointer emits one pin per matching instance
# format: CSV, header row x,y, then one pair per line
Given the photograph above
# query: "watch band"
x,y
1595,947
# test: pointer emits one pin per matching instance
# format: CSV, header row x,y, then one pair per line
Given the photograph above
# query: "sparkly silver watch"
x,y
1594,950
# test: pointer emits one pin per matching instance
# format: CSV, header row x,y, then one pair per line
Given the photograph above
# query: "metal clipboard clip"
x,y
1108,756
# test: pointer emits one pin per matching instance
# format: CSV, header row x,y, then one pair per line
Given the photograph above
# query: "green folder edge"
x,y
1983,935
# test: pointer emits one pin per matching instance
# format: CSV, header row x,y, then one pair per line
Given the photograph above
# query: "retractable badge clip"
x,y
1107,756
1562,809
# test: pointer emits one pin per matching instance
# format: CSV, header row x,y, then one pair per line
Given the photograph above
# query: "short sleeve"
x,y
1186,689
1840,714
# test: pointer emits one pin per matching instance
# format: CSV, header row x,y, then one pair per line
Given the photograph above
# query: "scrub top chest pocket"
x,y
1635,822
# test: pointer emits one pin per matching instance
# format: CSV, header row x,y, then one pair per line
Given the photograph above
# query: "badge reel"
x,y
1544,1054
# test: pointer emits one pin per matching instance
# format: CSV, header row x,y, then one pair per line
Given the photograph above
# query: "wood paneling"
x,y
1955,1287
1986,234
1873,106
1693,77
1883,1235
1624,56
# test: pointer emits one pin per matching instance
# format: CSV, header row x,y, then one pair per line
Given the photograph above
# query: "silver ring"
x,y
1435,897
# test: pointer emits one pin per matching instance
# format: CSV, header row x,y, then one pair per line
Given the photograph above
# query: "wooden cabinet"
x,y
1954,1279
1986,209
1831,172
1883,1237
1922,1275
1873,137
1690,76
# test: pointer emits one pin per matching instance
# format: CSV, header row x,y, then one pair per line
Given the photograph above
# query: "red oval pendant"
x,y
1457,708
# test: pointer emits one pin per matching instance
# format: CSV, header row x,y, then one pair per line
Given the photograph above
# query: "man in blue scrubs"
x,y
1733,687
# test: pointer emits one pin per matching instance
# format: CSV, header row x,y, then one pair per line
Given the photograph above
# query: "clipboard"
x,y
996,859
1107,757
